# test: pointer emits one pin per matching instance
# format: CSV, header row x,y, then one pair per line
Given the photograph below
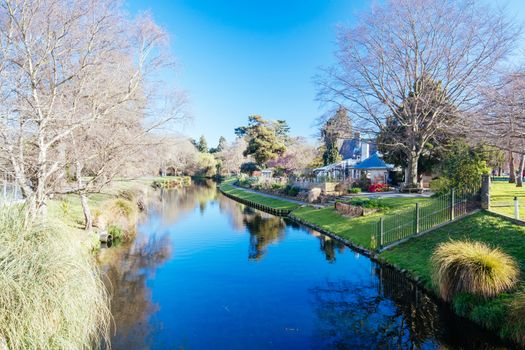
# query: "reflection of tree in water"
x,y
390,314
173,204
126,269
264,229
234,210
329,246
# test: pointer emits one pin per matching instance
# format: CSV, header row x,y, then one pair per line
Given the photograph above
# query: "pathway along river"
x,y
206,272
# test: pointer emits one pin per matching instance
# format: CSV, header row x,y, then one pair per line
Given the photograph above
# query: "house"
x,y
375,169
357,162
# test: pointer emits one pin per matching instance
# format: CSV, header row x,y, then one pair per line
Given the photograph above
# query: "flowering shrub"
x,y
378,188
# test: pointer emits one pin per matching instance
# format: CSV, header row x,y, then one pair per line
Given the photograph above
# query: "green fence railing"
x,y
396,228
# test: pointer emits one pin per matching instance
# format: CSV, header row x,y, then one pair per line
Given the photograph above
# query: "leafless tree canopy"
x,y
75,87
400,50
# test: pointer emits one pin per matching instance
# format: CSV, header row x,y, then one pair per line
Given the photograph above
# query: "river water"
x,y
206,272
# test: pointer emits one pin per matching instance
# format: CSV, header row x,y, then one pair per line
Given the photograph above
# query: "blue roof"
x,y
373,162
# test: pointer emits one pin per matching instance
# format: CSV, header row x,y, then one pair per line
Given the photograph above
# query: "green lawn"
x,y
66,210
502,198
357,230
273,203
414,257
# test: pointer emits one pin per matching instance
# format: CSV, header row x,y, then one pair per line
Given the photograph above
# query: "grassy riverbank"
x,y
273,203
356,230
414,256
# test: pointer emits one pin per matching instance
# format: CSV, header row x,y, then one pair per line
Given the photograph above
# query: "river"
x,y
206,272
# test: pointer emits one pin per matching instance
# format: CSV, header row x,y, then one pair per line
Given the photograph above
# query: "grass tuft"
x,y
472,267
516,318
52,296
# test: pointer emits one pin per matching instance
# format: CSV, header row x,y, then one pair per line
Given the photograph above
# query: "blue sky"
x,y
242,57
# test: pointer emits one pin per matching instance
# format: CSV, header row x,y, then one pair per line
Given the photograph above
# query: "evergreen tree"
x,y
202,146
334,131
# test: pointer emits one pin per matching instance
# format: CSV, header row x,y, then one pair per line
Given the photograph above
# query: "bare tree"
x,y
231,157
410,61
71,68
501,121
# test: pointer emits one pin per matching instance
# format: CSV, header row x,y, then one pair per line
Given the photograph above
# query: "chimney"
x,y
365,150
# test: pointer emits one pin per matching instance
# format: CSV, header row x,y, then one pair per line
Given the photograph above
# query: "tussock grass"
x,y
516,318
472,267
51,293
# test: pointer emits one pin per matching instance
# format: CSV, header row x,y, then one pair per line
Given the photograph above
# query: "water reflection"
x,y
126,269
391,314
187,279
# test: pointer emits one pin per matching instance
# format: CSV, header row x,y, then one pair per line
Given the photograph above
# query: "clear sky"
x,y
242,57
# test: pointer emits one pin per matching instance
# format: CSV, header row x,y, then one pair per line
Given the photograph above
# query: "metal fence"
x,y
398,227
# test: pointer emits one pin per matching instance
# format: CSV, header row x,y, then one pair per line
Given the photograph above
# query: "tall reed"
x,y
51,292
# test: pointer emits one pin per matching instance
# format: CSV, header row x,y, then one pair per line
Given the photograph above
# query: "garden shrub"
x,y
372,203
472,267
440,185
52,294
354,190
292,191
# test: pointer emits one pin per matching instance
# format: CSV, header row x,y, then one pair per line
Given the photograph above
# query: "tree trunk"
x,y
512,171
88,219
411,173
519,175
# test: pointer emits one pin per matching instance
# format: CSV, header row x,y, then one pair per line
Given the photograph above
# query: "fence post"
x,y
516,209
485,192
417,218
382,230
452,204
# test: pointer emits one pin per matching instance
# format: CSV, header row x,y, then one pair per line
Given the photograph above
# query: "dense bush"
x,y
52,296
440,185
373,203
354,190
292,191
462,167
472,267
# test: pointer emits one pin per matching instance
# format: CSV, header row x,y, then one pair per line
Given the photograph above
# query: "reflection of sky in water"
x,y
208,273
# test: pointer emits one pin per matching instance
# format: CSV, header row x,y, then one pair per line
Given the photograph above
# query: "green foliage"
x,y
440,185
65,207
266,140
516,318
354,190
117,233
372,203
249,168
337,128
463,165
472,267
207,165
331,154
202,145
52,293
292,191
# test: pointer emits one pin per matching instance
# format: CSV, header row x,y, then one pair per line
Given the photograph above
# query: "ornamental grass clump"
x,y
472,267
51,292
